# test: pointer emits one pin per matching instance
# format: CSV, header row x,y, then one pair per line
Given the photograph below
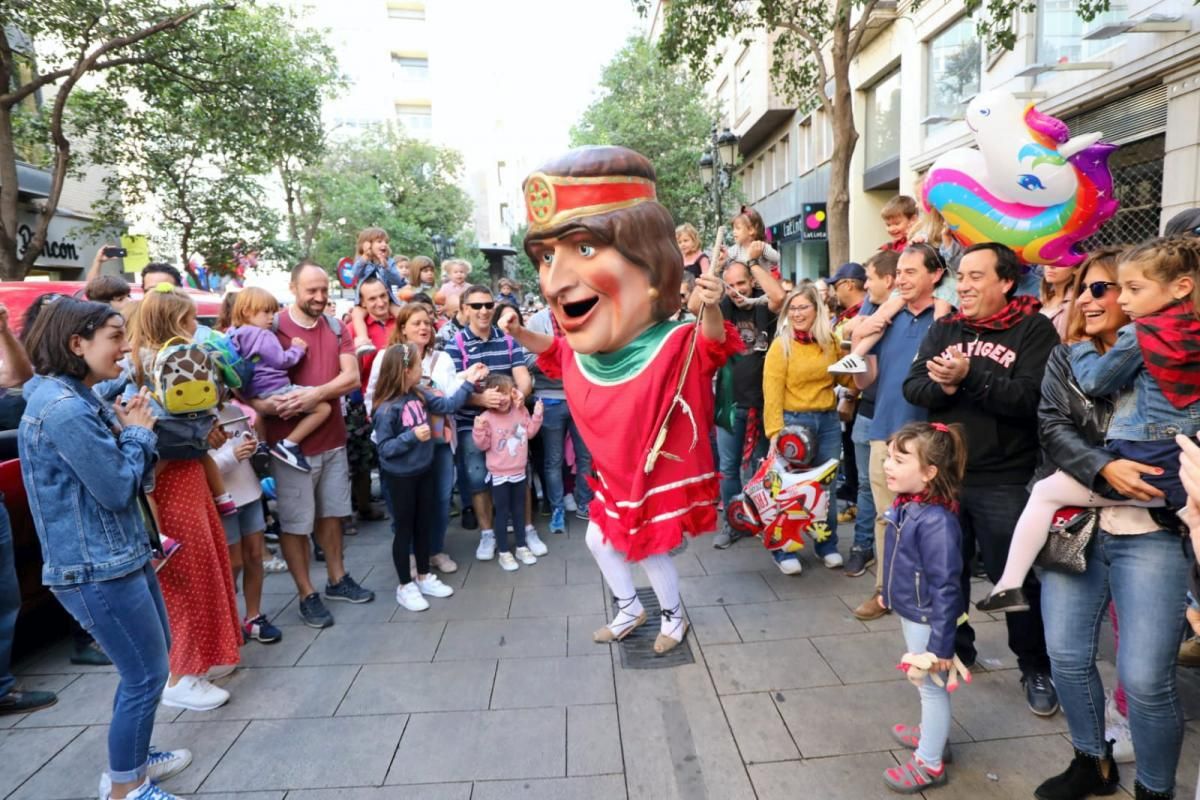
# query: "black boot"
x,y
1142,793
1088,775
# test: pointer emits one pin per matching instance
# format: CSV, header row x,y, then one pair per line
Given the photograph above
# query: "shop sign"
x,y
809,227
66,245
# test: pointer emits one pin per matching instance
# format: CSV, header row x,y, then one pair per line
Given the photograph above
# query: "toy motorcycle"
x,y
787,497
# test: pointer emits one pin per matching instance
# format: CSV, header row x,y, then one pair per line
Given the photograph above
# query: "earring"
x,y
652,293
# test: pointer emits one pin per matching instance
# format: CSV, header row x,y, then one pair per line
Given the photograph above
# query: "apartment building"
x,y
1132,74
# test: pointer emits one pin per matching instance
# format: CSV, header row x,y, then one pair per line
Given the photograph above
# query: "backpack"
x,y
236,372
184,381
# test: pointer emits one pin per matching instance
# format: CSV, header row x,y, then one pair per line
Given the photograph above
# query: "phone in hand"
x,y
115,252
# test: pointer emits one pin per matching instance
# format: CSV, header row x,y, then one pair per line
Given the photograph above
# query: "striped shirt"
x,y
499,352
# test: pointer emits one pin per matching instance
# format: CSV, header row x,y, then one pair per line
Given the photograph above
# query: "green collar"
x,y
628,362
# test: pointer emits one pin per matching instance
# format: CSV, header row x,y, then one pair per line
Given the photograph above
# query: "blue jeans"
x,y
864,523
10,601
935,700
556,424
128,619
1146,575
443,482
730,446
827,430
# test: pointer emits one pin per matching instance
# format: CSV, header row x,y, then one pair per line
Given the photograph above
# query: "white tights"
x,y
619,576
1033,528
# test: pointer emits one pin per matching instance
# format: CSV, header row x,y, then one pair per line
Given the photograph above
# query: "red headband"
x,y
551,200
939,426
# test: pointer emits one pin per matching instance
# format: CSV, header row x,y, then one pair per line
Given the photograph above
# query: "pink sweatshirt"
x,y
504,438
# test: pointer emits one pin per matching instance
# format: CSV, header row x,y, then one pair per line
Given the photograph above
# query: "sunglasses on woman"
x,y
1100,288
481,306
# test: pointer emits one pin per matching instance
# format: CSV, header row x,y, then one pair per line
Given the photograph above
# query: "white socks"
x,y
619,577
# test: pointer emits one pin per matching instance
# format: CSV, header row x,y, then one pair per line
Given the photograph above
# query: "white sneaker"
x,y
487,546
409,596
1116,730
850,365
525,556
569,503
274,565
789,565
194,694
534,542
148,791
508,563
432,586
222,671
832,560
162,765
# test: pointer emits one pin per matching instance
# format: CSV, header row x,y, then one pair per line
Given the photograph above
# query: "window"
x,y
883,120
417,119
825,137
783,162
406,11
1060,31
741,90
955,61
725,101
806,155
410,70
760,177
769,171
748,183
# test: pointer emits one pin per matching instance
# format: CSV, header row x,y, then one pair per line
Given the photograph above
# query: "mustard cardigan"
x,y
799,383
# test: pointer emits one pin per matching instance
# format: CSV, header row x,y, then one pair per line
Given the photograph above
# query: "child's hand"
x,y
475,373
479,422
245,449
755,250
538,407
298,342
943,665
517,398
359,341
422,432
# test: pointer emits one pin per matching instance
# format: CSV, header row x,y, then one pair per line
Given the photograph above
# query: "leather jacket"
x,y
1072,426
922,570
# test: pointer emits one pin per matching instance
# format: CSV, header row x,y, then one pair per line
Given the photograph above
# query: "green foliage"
x,y
526,272
660,112
995,24
382,178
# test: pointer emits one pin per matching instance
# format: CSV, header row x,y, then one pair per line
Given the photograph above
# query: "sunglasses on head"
x,y
1100,288
481,306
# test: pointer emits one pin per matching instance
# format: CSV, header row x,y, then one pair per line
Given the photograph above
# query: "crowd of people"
x,y
978,407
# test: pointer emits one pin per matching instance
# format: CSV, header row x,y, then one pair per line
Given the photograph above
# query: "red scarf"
x,y
1017,309
803,337
1170,342
849,313
926,499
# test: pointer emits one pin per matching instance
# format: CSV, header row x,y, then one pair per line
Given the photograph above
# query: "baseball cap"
x,y
851,270
1186,222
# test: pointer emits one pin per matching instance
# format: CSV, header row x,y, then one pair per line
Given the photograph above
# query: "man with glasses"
x,y
481,341
752,301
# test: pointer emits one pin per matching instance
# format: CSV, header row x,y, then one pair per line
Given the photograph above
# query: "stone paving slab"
x,y
474,603
593,740
281,693
560,681
538,601
425,791
993,707
87,701
856,777
374,643
726,589
284,653
793,619
579,635
758,729
412,688
503,638
606,787
482,745
711,625
24,752
75,771
767,666
309,754
551,570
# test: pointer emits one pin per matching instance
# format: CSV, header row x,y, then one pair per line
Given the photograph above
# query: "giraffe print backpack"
x,y
184,378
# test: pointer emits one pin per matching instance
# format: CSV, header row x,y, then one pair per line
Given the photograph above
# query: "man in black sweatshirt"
x,y
982,368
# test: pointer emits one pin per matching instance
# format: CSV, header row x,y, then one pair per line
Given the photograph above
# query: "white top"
x,y
240,480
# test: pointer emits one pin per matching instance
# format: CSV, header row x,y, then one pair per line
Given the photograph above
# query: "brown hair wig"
x,y
643,234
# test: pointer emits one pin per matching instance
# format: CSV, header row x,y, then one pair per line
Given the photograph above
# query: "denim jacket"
x,y
83,481
1144,415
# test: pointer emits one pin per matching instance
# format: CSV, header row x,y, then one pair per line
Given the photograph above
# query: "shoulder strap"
x,y
508,340
275,322
334,323
462,347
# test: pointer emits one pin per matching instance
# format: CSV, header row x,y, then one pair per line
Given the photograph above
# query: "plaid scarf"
x,y
849,313
927,499
1017,309
1170,342
803,337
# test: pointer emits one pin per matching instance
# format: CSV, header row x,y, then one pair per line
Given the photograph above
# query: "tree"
x,y
122,73
406,186
813,43
659,111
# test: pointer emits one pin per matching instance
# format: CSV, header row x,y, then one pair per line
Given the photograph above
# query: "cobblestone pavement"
x,y
499,692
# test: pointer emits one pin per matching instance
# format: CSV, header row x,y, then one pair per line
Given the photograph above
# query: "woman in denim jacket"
x,y
83,466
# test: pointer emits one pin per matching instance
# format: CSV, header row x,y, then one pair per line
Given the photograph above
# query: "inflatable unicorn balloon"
x,y
1029,185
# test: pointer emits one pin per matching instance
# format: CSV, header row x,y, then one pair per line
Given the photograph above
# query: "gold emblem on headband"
x,y
539,196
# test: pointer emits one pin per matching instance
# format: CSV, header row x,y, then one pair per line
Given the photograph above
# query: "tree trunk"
x,y
845,138
11,268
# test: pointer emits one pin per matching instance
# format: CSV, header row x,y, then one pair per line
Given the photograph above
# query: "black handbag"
x,y
1068,544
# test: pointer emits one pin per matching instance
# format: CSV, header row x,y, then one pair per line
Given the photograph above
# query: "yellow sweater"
x,y
799,383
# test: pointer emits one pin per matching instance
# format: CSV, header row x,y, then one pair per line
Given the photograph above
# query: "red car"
x,y
41,619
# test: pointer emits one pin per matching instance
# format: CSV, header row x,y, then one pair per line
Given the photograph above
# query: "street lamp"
x,y
716,166
443,246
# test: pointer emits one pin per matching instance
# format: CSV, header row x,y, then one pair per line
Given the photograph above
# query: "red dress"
x,y
197,583
618,401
